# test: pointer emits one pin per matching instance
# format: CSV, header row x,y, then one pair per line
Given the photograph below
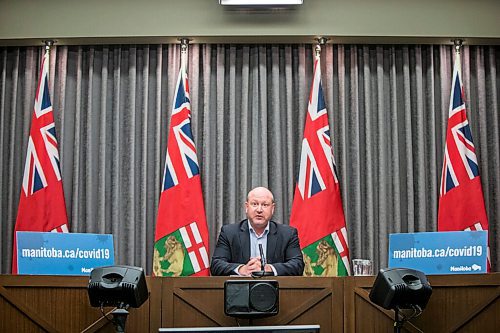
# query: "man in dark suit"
x,y
237,249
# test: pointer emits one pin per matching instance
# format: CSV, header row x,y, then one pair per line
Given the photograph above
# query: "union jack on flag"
x,y
460,162
41,205
181,239
310,181
461,200
317,210
183,149
316,142
34,176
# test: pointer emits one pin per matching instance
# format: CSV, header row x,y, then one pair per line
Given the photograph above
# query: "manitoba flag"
x,y
41,206
181,240
461,201
317,210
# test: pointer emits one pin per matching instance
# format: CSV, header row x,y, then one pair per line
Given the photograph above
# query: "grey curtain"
x,y
387,106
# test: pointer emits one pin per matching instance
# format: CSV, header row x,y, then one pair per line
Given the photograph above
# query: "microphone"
x,y
263,263
262,257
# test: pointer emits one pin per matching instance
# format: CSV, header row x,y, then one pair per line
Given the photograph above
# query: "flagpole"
x,y
458,44
48,44
461,200
184,53
45,211
325,229
321,41
181,229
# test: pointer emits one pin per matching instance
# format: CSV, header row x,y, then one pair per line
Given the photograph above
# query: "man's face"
x,y
259,208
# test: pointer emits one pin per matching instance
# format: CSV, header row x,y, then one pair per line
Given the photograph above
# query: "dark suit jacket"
x,y
233,249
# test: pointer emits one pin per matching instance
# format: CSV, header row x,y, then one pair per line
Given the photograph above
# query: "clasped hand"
x,y
253,265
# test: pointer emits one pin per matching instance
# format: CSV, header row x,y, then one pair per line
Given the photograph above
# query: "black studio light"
x,y
118,286
401,289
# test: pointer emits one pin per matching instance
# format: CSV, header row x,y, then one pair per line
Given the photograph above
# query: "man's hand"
x,y
253,265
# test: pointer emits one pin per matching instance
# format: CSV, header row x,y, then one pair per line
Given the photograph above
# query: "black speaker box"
x,y
251,298
119,286
401,288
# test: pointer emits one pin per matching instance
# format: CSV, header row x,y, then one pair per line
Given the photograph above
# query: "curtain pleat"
x,y
387,106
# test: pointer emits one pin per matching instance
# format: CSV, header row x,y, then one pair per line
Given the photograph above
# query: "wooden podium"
x,y
459,303
200,302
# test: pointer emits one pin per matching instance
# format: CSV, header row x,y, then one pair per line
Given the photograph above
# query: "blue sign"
x,y
452,252
51,253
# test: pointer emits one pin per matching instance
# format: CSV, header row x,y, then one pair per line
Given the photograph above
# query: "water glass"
x,y
362,267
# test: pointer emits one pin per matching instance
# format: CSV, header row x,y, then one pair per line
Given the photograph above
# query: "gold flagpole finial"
x,y
184,51
321,41
48,43
458,44
184,44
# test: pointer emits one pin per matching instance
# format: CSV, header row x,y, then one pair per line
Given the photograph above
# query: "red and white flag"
x,y
461,201
41,206
317,210
181,240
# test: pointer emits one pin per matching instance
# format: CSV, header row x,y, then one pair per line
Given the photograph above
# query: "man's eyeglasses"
x,y
264,205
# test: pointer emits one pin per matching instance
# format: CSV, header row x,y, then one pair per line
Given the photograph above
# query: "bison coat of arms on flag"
x,y
179,253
